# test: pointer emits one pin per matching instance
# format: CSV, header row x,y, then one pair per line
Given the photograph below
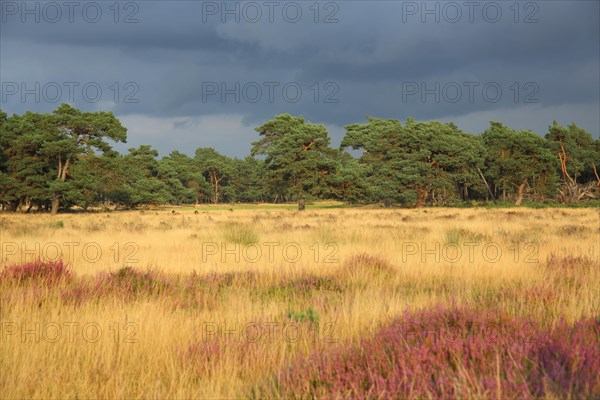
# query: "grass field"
x,y
265,301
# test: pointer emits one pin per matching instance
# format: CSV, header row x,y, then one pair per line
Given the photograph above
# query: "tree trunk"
x,y
55,204
421,197
519,198
215,181
596,173
12,206
487,186
61,176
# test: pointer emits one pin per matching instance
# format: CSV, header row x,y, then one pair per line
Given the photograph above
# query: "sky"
x,y
187,74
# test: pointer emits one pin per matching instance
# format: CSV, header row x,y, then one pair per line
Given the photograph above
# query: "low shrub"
x,y
362,267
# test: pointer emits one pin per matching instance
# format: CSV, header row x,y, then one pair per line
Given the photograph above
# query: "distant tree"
x,y
453,160
4,177
27,170
73,135
517,158
297,156
84,188
217,170
183,178
414,162
350,180
596,166
249,182
138,173
576,152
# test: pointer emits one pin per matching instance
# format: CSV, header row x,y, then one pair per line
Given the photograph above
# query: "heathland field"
x,y
265,301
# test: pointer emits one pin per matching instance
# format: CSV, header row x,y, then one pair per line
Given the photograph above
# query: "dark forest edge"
x,y
63,161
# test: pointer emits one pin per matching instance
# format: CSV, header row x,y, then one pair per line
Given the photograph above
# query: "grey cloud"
x,y
370,56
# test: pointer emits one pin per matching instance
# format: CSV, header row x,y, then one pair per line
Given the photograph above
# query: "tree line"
x,y
63,160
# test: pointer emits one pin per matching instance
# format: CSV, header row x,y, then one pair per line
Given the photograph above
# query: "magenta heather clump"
x,y
46,272
569,359
78,293
455,353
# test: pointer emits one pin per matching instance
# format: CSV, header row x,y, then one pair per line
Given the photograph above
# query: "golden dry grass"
x,y
384,261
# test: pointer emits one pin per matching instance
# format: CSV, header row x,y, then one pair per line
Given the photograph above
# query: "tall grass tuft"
x,y
460,235
243,234
362,267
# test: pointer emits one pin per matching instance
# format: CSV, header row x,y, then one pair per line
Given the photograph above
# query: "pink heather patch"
x,y
42,271
77,294
457,353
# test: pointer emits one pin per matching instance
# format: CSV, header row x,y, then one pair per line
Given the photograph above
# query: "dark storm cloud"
x,y
163,74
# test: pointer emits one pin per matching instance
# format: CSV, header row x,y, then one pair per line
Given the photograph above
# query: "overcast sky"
x,y
188,74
